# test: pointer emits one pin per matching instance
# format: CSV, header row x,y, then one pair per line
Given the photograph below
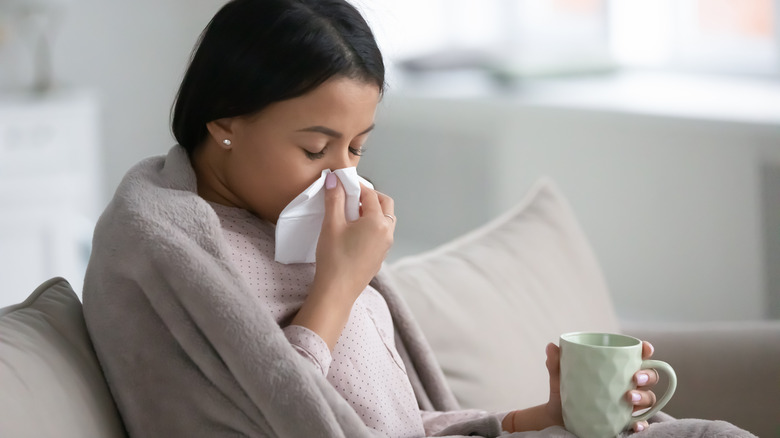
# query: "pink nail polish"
x,y
635,397
330,180
640,427
642,379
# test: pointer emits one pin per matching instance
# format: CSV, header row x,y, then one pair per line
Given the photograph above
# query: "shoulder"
x,y
156,207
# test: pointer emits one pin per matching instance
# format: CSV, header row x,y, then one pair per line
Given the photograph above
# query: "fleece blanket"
x,y
189,351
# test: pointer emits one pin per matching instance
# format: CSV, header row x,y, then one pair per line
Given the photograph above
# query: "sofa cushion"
x,y
51,382
491,300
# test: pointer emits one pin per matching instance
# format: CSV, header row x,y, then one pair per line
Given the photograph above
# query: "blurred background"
x,y
658,119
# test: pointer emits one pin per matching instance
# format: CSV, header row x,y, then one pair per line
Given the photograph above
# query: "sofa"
x,y
493,299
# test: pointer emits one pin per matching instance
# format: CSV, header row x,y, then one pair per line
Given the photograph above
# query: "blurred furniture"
x,y
52,383
30,26
492,299
49,188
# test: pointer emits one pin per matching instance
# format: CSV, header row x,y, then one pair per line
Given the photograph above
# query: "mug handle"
x,y
667,369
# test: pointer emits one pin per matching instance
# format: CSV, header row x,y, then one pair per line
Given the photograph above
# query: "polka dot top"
x,y
364,366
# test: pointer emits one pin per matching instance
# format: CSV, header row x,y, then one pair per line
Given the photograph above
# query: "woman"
x,y
276,92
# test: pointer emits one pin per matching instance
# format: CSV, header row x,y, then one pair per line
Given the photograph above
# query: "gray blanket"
x,y
189,351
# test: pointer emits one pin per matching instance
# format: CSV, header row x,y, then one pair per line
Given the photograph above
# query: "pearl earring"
x,y
227,142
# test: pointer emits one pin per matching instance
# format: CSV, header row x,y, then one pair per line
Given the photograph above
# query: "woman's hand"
x,y
551,414
349,254
641,397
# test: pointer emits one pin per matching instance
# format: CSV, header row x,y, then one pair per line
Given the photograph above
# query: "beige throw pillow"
x,y
491,300
50,380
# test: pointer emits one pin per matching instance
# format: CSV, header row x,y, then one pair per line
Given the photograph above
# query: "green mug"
x,y
597,371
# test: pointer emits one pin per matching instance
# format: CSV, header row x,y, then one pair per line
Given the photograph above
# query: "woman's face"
x,y
276,153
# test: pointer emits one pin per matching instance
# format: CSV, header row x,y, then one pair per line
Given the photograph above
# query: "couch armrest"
x,y
726,371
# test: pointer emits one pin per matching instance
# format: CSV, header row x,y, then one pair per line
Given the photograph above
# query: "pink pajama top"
x,y
364,366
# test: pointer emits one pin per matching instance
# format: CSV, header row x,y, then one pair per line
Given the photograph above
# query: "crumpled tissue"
x,y
299,224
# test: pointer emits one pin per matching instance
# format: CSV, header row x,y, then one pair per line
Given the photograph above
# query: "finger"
x,y
387,203
646,378
369,201
334,201
388,207
554,366
640,426
641,399
647,350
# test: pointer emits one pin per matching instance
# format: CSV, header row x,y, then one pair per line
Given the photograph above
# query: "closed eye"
x,y
357,152
320,154
314,155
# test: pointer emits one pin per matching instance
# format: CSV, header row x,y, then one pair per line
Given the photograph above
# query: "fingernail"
x,y
635,397
640,427
642,379
330,180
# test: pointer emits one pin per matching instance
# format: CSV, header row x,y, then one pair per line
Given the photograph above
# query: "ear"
x,y
221,131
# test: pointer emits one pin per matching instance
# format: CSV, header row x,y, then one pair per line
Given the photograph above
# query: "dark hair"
x,y
256,52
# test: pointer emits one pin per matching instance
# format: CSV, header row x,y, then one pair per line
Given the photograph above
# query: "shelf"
x,y
49,186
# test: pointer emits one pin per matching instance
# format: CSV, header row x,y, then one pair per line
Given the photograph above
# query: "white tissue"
x,y
299,224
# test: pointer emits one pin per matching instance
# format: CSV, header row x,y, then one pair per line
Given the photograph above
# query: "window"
x,y
733,36
551,36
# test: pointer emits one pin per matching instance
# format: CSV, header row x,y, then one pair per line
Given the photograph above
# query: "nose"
x,y
340,160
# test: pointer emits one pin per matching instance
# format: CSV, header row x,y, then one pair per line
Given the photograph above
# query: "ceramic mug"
x,y
597,370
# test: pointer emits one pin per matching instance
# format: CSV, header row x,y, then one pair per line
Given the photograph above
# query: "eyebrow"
x,y
331,133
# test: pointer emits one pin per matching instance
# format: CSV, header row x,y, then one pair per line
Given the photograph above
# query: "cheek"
x,y
272,178
294,176
249,165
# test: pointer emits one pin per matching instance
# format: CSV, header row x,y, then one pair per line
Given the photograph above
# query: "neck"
x,y
211,183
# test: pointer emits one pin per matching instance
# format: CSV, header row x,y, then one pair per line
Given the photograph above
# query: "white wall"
x,y
134,54
770,183
672,207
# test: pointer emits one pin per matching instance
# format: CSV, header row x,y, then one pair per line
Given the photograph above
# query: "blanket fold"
x,y
186,347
